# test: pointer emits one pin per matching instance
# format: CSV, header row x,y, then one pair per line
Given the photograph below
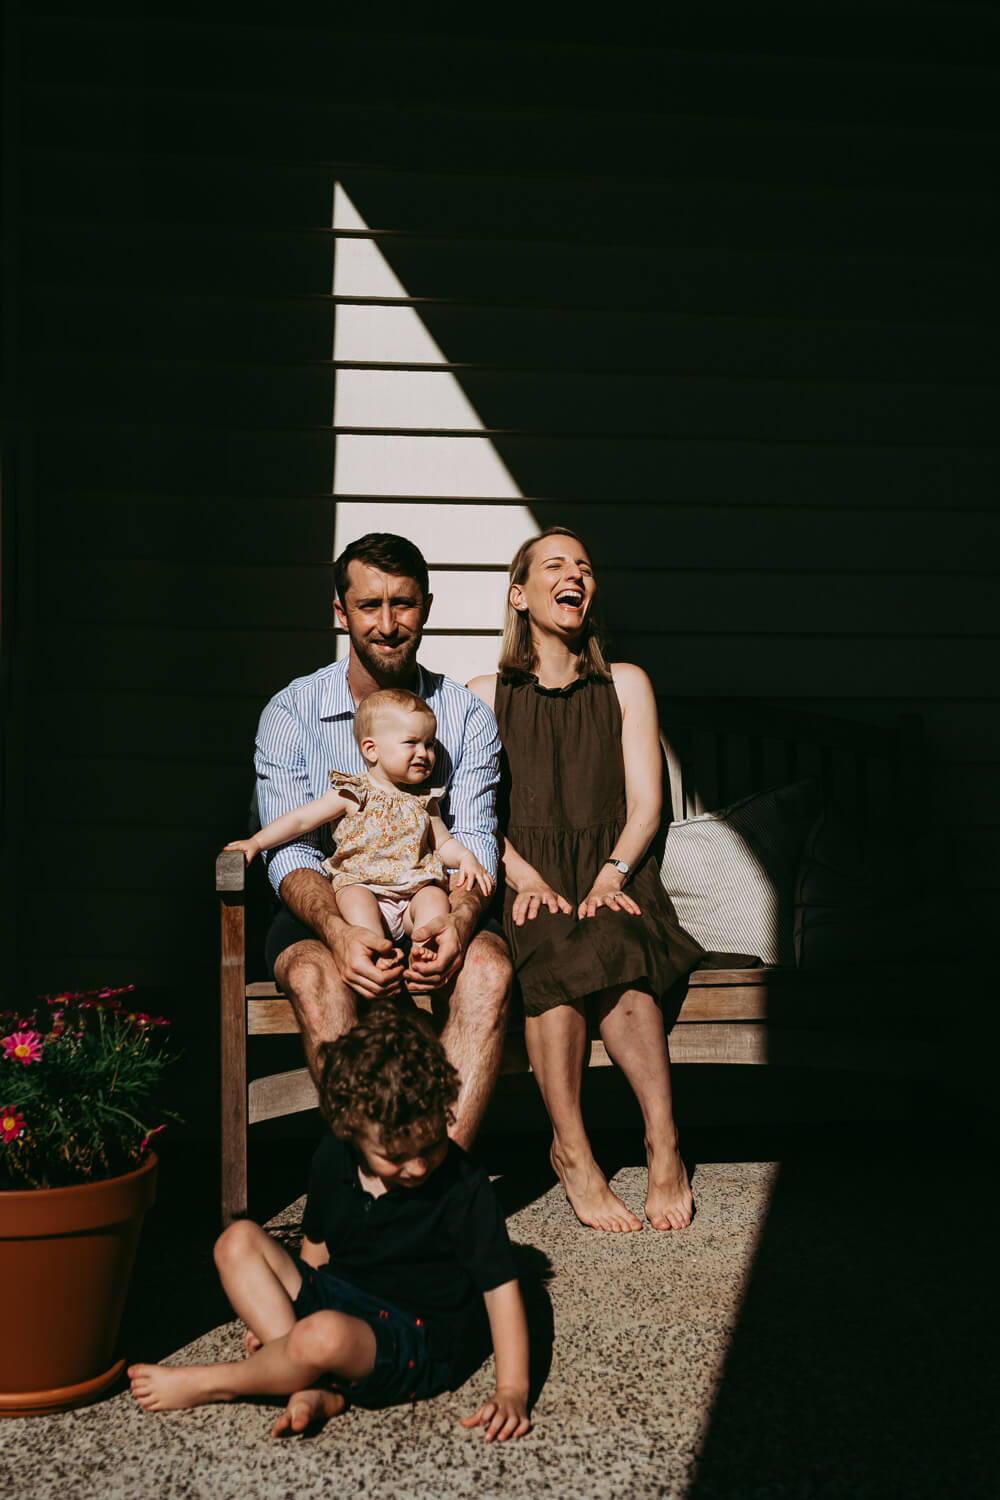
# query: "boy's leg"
x,y
260,1278
324,1343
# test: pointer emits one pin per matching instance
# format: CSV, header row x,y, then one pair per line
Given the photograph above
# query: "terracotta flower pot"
x,y
66,1255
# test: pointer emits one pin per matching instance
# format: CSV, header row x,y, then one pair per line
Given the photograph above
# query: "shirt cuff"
x,y
281,862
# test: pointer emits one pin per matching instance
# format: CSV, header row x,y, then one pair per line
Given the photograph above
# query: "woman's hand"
x,y
532,896
606,891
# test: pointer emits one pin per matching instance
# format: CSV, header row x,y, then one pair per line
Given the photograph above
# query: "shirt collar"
x,y
337,703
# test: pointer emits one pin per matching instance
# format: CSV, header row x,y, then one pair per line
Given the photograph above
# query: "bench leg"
x,y
233,1001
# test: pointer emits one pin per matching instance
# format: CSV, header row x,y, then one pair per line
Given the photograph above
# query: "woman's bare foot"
x,y
176,1387
590,1198
669,1200
307,1409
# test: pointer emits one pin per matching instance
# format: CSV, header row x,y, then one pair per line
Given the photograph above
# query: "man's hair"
x,y
389,1073
385,551
376,703
517,651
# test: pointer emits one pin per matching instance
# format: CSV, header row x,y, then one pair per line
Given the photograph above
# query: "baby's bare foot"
x,y
590,1198
389,960
669,1200
307,1409
175,1387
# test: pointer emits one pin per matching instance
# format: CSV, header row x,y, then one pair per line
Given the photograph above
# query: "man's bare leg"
x,y
324,1005
631,1025
556,1041
473,1033
325,1343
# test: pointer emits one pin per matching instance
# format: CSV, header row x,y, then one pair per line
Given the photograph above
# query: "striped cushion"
x,y
731,874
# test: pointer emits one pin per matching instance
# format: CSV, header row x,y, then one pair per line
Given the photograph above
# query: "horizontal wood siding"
x,y
725,301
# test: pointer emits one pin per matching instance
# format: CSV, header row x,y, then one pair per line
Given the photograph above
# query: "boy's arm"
x,y
505,1415
314,1252
292,825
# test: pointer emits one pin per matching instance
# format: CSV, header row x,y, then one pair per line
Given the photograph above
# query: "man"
x,y
322,962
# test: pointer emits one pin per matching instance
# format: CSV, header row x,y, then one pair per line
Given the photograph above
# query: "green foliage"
x,y
77,1076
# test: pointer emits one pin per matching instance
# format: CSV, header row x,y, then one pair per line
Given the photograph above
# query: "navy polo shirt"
x,y
431,1250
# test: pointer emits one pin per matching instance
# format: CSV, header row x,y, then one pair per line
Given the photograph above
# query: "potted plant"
x,y
77,1076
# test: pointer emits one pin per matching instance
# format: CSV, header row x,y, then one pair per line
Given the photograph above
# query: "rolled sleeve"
x,y
471,811
283,784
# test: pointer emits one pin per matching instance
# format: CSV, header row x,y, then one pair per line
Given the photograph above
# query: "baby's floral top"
x,y
386,844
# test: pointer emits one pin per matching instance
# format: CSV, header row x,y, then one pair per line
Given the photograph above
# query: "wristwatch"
x,y
619,864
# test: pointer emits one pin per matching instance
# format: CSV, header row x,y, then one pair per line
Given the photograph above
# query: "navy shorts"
x,y
405,1368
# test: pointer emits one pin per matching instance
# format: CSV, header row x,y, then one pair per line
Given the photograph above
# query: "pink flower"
x,y
23,1046
146,1139
11,1125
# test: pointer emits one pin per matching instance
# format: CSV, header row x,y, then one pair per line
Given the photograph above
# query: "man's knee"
x,y
306,970
488,972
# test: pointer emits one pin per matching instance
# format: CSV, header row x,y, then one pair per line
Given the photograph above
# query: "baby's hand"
x,y
471,873
504,1416
247,845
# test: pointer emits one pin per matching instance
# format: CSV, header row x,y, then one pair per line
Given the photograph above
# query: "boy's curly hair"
x,y
389,1071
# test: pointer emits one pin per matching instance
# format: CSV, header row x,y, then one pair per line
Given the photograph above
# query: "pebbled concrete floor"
x,y
820,1330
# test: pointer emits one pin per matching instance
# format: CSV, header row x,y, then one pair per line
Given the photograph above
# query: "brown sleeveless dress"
x,y
562,805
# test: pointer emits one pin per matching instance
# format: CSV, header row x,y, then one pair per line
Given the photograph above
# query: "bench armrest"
x,y
230,871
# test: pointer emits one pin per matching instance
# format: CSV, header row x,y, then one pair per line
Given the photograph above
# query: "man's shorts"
x,y
405,1368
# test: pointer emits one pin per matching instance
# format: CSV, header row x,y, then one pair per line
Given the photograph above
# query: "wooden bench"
x,y
715,753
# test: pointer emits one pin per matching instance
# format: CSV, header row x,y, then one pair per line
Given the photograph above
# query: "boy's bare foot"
x,y
590,1198
307,1409
176,1387
669,1200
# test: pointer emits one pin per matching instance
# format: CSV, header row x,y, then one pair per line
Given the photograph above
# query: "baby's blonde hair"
x,y
377,703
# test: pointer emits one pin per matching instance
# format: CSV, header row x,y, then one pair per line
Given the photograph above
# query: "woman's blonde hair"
x,y
517,652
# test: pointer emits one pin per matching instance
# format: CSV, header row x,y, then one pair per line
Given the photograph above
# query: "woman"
x,y
584,911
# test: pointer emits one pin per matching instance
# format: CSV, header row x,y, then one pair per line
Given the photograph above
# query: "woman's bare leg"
x,y
631,1025
325,1343
556,1041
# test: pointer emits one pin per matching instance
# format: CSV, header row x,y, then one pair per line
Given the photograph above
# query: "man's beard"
x,y
400,667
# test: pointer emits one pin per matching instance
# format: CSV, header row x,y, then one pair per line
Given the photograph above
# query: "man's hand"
x,y
368,964
436,956
504,1416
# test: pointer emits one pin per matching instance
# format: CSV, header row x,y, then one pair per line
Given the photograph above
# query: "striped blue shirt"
x,y
306,731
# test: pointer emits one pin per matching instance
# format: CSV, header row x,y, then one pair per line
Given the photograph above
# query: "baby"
x,y
392,844
405,1274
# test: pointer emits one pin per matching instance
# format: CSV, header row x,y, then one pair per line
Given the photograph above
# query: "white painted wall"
x,y
451,495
